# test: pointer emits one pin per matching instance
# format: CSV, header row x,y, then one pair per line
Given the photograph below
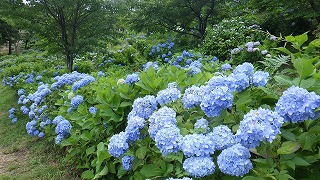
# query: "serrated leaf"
x,y
103,172
283,80
288,135
303,66
88,174
291,164
141,152
90,150
125,104
300,162
288,147
151,170
284,50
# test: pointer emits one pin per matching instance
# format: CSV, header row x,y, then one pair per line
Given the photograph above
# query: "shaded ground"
x,y
12,161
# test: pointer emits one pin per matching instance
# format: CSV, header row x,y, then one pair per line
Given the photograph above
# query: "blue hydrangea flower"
x,y
20,92
260,78
118,145
12,110
14,120
63,128
41,135
58,139
184,178
168,140
297,105
202,124
132,130
222,137
221,81
239,81
225,67
126,162
76,101
132,78
83,82
192,97
235,161
57,120
168,95
216,100
44,107
93,110
246,68
258,125
199,166
144,107
150,64
163,118
197,145
38,96
100,73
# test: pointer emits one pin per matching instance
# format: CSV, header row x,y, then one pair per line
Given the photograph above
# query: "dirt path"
x,y
11,161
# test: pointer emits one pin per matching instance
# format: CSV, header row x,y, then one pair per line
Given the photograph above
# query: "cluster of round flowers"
x,y
71,78
132,78
164,48
75,102
12,116
150,64
171,93
297,105
62,129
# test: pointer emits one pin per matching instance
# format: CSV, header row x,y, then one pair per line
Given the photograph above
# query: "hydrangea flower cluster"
x,y
12,80
132,131
93,110
100,73
297,105
184,178
162,48
69,79
75,102
260,78
32,129
118,144
144,107
62,129
171,93
126,162
168,139
82,82
192,97
20,92
222,137
38,96
132,78
163,118
24,110
154,65
225,67
215,101
202,124
199,166
197,145
258,125
12,116
235,160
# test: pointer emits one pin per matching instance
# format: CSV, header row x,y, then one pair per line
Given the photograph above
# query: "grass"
x,y
22,156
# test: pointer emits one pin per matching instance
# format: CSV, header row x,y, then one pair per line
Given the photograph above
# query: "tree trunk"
x,y
10,44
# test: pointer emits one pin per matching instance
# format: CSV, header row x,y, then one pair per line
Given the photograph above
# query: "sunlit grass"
x,y
28,157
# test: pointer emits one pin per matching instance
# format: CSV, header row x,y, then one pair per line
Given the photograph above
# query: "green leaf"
x,y
288,147
307,140
125,104
284,50
303,66
315,43
290,38
283,80
141,152
251,178
151,170
300,162
288,135
300,39
291,164
88,174
103,172
90,150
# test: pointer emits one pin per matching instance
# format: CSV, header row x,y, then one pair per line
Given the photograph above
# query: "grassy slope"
x,y
23,156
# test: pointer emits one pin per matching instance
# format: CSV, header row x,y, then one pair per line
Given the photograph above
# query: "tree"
x,y
69,25
189,17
